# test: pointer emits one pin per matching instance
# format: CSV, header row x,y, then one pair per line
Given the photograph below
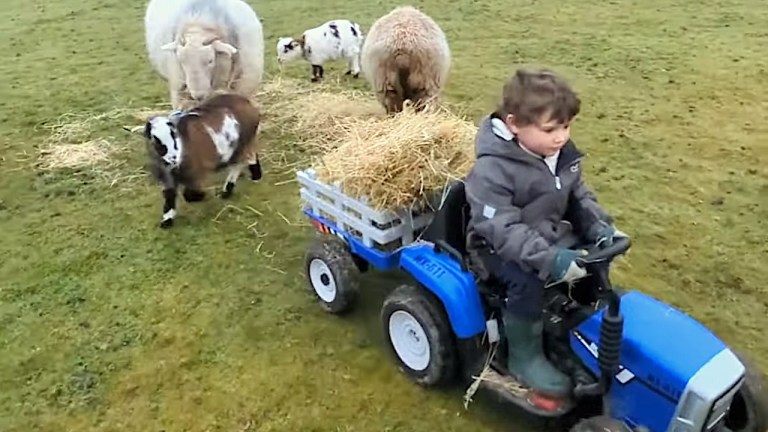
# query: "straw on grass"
x,y
77,155
71,143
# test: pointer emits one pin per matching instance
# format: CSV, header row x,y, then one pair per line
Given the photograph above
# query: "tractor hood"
x,y
662,350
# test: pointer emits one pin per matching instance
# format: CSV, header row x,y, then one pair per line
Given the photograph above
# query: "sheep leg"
x,y
175,98
232,176
169,207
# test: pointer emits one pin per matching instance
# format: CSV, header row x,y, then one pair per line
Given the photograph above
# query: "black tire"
x,y
749,409
600,424
415,311
332,274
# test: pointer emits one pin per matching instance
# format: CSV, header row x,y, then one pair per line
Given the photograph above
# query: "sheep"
x,y
185,148
203,46
406,56
332,40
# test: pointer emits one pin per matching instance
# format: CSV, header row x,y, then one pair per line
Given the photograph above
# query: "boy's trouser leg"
x,y
523,328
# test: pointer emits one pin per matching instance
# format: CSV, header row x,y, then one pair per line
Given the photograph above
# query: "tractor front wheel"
x,y
600,424
749,409
332,274
419,335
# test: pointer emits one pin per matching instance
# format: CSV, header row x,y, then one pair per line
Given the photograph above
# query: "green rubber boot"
x,y
526,360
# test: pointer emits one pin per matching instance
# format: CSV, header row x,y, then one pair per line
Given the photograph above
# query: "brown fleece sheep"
x,y
219,133
406,57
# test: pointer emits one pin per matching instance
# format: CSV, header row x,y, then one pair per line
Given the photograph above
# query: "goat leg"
x,y
232,176
255,168
169,207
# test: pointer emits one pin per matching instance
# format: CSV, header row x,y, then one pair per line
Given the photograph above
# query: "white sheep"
x,y
332,40
406,56
203,46
184,149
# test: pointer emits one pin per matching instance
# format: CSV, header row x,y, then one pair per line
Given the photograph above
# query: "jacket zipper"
x,y
556,175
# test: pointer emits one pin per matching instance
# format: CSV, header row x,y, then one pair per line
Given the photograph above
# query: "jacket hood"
x,y
494,139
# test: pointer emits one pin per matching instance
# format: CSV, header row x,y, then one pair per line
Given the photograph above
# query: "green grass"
x,y
108,323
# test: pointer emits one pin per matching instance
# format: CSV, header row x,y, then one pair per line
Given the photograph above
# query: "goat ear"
x,y
170,46
224,47
147,129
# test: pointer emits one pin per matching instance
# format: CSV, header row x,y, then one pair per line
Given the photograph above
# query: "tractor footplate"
x,y
509,389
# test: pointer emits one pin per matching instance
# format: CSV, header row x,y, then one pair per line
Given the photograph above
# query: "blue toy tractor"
x,y
637,363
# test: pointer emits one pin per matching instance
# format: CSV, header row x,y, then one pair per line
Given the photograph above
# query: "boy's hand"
x,y
564,267
607,234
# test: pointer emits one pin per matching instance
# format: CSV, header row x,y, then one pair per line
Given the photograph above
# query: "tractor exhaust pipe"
x,y
609,347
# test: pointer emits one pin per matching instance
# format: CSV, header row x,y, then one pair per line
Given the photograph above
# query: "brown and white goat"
x,y
219,133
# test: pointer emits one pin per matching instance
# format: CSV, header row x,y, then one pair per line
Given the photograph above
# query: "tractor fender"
x,y
456,289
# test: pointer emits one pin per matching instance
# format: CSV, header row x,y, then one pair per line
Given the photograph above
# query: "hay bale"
x,y
399,161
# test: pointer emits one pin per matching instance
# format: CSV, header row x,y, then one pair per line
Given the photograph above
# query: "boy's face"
x,y
544,137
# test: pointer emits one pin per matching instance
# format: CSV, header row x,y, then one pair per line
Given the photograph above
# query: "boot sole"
x,y
508,389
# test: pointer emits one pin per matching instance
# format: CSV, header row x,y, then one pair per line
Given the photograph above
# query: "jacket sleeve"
x,y
586,215
498,221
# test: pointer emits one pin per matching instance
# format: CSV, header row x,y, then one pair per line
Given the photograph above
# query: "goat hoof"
x,y
255,170
349,72
166,223
355,75
193,196
315,79
227,192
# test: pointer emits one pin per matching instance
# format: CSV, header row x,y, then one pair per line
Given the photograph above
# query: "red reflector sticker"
x,y
544,402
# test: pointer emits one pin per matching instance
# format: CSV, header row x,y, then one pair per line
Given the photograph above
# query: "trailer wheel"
x,y
419,335
749,409
332,274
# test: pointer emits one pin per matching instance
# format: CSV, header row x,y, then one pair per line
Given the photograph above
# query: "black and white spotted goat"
x,y
332,40
184,149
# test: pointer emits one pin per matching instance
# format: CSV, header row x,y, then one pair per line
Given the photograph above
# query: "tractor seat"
x,y
454,212
448,227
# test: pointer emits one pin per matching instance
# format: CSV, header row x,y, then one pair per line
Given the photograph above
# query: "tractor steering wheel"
x,y
599,254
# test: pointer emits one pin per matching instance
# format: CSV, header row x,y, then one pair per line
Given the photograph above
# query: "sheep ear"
x,y
224,47
170,46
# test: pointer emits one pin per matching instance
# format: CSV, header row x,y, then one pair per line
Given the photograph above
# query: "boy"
x,y
528,206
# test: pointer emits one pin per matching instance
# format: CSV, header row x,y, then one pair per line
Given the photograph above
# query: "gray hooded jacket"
x,y
520,208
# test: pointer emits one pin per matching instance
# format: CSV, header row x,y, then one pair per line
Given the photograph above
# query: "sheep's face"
x,y
163,137
288,49
197,57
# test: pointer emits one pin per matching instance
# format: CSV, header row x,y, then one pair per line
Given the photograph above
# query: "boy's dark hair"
x,y
530,94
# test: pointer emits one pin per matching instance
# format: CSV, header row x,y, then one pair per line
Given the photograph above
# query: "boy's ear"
x,y
510,122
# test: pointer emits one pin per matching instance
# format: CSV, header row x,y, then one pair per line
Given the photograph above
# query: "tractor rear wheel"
x,y
419,335
332,273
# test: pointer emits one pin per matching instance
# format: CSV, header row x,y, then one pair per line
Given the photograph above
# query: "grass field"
x,y
108,323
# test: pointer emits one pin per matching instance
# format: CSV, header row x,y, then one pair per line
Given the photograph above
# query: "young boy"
x,y
529,205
